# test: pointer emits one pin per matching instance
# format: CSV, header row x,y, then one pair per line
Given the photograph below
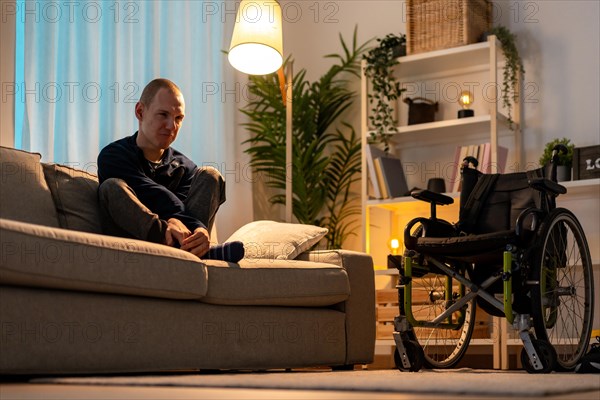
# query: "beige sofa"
x,y
75,301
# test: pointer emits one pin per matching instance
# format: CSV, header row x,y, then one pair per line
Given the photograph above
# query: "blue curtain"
x,y
85,64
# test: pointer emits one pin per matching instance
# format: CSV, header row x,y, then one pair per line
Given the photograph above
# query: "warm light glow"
x,y
257,42
465,99
394,245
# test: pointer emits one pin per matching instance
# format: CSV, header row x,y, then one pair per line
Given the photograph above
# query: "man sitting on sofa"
x,y
150,191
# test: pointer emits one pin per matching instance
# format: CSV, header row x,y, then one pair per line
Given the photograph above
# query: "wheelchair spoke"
x,y
442,347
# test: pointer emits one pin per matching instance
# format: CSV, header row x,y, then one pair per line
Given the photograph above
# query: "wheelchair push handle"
x,y
559,148
556,150
470,160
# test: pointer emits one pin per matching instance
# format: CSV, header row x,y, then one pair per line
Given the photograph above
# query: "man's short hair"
x,y
154,86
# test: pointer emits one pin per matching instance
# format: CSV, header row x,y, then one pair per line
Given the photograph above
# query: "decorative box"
x,y
586,162
441,24
420,110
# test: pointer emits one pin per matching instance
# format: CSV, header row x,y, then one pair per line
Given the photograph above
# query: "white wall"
x,y
558,41
559,45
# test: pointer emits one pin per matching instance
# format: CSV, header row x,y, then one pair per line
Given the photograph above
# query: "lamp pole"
x,y
289,167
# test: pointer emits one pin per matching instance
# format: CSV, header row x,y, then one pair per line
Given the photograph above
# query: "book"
x,y
455,174
372,152
483,154
380,180
486,158
394,181
487,166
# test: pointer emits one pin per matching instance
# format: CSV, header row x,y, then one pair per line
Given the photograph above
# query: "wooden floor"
x,y
50,392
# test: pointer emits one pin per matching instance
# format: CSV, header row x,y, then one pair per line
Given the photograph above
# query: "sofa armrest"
x,y
360,305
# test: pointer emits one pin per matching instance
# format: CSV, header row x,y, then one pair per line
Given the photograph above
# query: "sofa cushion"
x,y
75,195
275,283
277,240
24,194
39,256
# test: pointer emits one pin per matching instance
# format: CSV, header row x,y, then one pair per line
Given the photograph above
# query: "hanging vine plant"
x,y
512,69
385,89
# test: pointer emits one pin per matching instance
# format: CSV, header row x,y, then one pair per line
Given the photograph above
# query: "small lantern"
x,y
465,100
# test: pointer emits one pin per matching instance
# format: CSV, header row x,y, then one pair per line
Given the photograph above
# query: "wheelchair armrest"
x,y
547,186
410,241
428,228
532,216
432,197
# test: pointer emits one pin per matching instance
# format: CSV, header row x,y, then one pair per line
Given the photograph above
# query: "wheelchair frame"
x,y
538,355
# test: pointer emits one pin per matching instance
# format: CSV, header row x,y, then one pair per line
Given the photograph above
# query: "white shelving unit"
x,y
480,58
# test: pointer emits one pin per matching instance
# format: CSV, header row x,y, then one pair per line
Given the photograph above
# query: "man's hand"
x,y
176,232
198,243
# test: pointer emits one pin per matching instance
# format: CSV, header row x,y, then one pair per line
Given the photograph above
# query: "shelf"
x,y
405,201
435,62
583,186
475,122
580,187
387,272
463,128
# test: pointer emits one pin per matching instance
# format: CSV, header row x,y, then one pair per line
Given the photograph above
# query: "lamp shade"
x,y
257,42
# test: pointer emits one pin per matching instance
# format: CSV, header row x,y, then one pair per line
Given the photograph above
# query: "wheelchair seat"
x,y
465,247
490,205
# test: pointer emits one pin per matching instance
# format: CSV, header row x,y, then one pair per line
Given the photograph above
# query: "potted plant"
x,y
565,161
385,89
326,151
512,69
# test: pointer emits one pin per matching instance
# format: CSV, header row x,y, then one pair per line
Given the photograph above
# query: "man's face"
x,y
159,122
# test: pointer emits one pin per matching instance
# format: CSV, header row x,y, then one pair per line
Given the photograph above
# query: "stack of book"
x,y
483,153
386,176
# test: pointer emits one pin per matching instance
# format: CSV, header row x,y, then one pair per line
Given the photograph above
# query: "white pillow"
x,y
277,240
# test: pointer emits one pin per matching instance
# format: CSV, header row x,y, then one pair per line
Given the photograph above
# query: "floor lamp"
x,y
257,49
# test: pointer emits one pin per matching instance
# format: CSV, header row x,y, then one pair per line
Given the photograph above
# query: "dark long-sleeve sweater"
x,y
162,188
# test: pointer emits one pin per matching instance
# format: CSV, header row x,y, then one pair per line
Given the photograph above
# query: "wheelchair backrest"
x,y
492,202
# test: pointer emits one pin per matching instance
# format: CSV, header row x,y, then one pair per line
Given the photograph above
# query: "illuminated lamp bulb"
x,y
465,100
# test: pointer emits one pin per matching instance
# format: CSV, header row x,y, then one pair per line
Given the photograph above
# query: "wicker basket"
x,y
441,24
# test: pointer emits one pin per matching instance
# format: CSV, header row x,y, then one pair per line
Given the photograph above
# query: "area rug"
x,y
457,382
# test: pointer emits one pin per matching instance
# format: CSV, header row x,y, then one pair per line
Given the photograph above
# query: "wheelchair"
x,y
514,254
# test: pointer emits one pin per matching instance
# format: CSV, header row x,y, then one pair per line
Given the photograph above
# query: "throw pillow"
x,y
24,194
75,195
277,240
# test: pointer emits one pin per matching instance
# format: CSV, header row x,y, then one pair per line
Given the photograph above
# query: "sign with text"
x,y
586,162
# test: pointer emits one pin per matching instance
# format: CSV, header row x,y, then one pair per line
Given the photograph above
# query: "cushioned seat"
x,y
467,244
276,283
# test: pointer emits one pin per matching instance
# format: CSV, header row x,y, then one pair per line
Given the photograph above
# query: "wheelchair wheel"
x,y
443,348
563,293
415,355
547,356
